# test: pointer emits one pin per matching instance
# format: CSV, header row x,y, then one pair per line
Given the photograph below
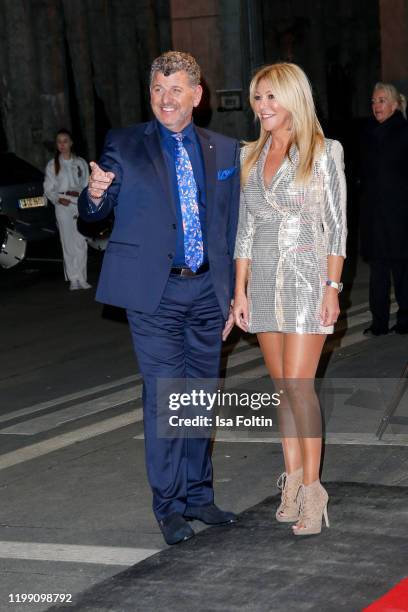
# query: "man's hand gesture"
x,y
99,181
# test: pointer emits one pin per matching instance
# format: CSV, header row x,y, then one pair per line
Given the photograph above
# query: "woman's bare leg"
x,y
301,354
272,347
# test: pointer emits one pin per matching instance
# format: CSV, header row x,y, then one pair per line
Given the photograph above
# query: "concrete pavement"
x,y
75,505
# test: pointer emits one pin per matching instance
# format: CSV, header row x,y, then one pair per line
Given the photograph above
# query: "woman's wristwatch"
x,y
338,286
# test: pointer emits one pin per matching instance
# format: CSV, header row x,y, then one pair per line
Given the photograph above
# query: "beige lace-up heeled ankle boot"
x,y
313,507
289,484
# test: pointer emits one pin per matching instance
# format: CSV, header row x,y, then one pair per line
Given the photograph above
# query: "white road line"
x,y
356,307
62,441
359,319
335,343
45,447
40,424
63,399
31,427
365,305
362,439
250,351
260,370
71,553
243,377
118,398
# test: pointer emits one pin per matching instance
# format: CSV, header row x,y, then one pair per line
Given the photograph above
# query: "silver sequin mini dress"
x,y
287,231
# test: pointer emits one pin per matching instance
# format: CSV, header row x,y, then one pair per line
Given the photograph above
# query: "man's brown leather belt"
x,y
187,272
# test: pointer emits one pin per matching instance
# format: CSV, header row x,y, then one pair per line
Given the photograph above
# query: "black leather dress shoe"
x,y
373,331
175,528
399,330
210,515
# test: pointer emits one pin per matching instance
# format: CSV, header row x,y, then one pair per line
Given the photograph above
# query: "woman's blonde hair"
x,y
292,90
395,96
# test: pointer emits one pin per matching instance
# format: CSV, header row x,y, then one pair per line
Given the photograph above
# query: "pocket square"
x,y
224,174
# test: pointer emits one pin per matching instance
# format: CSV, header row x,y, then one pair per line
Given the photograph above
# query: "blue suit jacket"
x,y
141,248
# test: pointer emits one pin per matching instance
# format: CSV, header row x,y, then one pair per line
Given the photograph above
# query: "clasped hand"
x,y
65,201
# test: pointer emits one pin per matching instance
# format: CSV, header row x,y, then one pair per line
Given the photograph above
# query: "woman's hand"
x,y
330,307
240,311
229,323
64,201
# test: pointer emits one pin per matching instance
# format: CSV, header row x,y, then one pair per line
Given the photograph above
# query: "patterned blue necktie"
x,y
187,188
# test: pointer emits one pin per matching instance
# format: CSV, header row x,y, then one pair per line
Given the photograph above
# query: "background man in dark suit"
x,y
384,207
175,191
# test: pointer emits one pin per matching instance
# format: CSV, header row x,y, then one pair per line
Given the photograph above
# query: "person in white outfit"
x,y
65,177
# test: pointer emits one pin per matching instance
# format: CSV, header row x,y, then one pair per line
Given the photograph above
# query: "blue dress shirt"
x,y
168,145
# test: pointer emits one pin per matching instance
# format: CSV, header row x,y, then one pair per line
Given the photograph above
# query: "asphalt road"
x,y
75,502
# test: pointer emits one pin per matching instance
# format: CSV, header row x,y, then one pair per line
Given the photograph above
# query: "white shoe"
x,y
74,285
84,285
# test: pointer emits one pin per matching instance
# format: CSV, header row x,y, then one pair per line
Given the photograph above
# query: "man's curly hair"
x,y
174,61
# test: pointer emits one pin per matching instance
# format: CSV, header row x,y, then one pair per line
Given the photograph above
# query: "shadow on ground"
x,y
257,565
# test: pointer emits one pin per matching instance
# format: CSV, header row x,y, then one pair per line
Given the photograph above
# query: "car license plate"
x,y
32,202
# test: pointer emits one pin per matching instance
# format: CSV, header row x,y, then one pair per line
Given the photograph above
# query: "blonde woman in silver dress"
x,y
289,255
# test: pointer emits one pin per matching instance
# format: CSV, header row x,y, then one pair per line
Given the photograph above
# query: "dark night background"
x,y
75,512
84,64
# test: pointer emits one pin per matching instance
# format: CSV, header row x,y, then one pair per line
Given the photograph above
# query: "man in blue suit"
x,y
174,189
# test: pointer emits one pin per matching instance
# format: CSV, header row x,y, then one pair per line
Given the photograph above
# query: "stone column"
x,y
194,28
394,42
213,31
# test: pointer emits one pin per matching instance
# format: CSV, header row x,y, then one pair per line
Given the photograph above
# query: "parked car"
x,y
12,244
25,213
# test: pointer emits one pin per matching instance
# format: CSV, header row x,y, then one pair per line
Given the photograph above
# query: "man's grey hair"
x,y
174,61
